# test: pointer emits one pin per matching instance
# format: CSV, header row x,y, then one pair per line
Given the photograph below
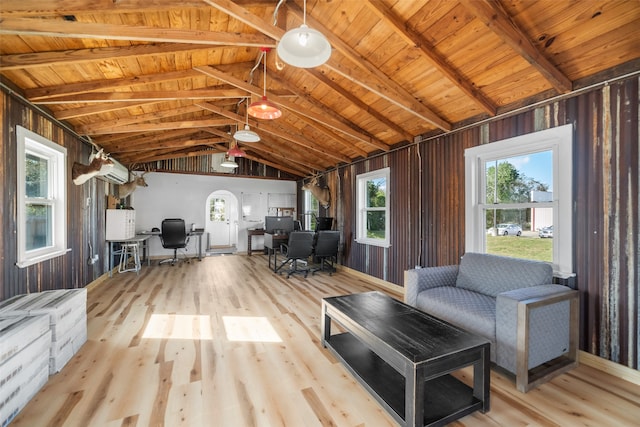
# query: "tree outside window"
x,y
373,208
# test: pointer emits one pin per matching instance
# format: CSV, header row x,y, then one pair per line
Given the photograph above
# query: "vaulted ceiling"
x,y
150,80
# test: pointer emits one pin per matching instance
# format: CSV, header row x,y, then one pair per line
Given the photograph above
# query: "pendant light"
x,y
304,47
246,134
229,162
236,151
264,109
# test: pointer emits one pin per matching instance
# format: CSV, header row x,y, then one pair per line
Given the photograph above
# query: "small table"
x,y
250,233
140,239
404,356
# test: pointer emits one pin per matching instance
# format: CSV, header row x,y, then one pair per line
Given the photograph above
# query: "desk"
x,y
140,239
272,242
197,233
250,233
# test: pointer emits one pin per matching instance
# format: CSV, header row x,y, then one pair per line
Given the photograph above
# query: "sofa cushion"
x,y
468,310
493,274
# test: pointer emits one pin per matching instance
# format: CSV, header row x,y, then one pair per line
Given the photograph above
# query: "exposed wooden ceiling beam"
x,y
330,113
102,31
156,127
92,109
67,57
498,20
309,145
38,93
66,7
362,106
210,93
156,115
412,37
327,121
124,141
375,81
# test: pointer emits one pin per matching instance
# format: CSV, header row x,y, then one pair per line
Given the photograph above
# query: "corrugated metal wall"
x,y
427,196
70,270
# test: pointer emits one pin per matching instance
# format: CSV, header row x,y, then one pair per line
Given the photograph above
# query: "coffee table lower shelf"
x,y
446,398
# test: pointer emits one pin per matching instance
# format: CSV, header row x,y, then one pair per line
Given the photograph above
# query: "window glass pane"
x,y
520,179
376,224
37,176
217,210
38,227
376,193
509,233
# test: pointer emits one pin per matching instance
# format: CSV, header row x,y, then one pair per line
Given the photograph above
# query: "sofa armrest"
x,y
533,326
419,279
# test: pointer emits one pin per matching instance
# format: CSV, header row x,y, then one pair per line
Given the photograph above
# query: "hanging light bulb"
x,y
304,47
246,134
264,109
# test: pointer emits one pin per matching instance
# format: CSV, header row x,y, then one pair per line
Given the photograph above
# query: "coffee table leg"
x,y
482,379
325,326
414,396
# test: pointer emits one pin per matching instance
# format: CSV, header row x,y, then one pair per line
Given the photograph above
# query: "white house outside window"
x,y
373,208
41,196
519,197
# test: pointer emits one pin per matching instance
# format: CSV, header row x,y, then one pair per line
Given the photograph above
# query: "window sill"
x,y
41,258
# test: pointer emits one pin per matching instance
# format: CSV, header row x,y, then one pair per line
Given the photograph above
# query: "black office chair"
x,y
173,236
297,251
326,251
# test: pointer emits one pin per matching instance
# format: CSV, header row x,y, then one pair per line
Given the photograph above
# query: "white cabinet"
x,y
120,224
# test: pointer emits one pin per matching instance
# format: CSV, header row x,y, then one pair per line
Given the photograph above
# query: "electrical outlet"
x,y
95,258
88,202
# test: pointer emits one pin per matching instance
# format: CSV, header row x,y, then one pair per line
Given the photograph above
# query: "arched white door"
x,y
221,224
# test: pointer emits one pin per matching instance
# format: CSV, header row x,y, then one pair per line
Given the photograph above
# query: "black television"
x,y
324,223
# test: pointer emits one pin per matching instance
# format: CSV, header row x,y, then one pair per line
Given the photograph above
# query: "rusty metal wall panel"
x,y
428,208
85,223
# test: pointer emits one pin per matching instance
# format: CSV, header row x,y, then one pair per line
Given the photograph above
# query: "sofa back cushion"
x,y
493,274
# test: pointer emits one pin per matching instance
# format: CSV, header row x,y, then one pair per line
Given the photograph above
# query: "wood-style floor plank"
x,y
160,352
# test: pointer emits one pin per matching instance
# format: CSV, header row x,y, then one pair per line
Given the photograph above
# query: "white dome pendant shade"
x,y
246,135
229,162
304,47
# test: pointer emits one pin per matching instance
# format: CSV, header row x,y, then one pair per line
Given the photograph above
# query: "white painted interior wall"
x,y
171,195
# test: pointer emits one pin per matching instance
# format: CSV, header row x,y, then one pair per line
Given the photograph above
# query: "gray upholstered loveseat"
x,y
513,303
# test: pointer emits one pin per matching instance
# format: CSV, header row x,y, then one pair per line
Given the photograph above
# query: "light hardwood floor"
x,y
226,342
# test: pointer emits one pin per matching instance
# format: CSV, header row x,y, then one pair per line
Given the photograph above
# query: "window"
x,y
373,208
311,211
519,197
41,194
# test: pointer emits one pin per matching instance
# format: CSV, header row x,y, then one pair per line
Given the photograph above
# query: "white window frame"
x,y
560,141
32,143
309,211
361,216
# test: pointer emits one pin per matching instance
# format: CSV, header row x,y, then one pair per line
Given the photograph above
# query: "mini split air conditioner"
x,y
118,174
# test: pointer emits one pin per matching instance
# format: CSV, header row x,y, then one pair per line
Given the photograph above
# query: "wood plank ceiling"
x,y
163,79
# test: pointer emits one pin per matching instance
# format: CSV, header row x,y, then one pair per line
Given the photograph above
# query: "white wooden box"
x,y
17,331
21,376
120,224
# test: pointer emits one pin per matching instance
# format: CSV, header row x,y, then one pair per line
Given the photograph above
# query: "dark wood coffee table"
x,y
403,357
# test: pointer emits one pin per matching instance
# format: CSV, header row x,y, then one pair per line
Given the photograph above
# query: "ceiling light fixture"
x,y
246,134
304,47
264,109
236,151
229,162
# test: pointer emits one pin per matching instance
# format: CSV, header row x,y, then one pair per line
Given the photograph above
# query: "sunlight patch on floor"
x,y
178,326
252,329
